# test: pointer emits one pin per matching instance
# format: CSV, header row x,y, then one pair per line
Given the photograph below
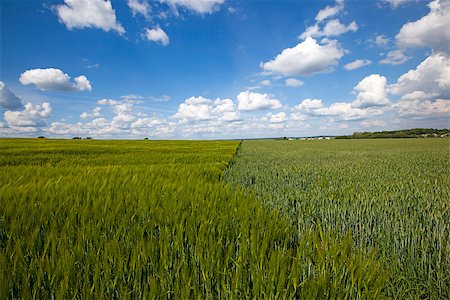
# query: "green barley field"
x,y
337,219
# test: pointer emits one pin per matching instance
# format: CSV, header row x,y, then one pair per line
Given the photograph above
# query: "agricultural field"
x,y
355,219
154,219
392,196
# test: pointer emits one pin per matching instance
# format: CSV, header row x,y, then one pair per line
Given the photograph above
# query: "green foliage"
x,y
391,195
405,133
145,219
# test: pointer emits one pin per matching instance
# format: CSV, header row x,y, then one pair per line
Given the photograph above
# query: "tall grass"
x,y
145,219
392,196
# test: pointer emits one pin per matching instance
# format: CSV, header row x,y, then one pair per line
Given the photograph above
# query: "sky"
x,y
222,69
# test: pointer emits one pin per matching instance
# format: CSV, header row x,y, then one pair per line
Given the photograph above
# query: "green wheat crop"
x,y
391,196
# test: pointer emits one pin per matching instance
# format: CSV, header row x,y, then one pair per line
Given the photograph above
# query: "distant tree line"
x,y
404,133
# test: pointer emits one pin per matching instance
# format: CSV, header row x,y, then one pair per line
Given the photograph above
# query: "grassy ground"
x,y
391,195
147,219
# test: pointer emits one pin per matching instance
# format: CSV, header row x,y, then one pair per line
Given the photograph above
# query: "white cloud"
x,y
424,91
277,118
335,27
8,100
423,109
381,40
195,108
265,82
397,3
431,76
311,31
198,6
356,64
298,116
309,104
332,28
54,80
132,97
372,91
203,109
292,82
89,13
94,114
330,11
122,109
29,119
108,102
255,101
157,35
147,122
82,83
225,110
418,95
431,30
307,58
346,111
371,96
139,7
125,122
394,57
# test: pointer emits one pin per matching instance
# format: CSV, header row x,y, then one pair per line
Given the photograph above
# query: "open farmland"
x,y
154,219
391,195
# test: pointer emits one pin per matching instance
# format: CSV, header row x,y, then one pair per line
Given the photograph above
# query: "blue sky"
x,y
207,69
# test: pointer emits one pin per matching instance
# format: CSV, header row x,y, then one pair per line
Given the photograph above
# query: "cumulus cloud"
x,y
381,40
335,27
157,35
394,57
431,76
309,104
277,118
292,82
195,108
203,109
432,30
424,91
29,119
307,58
423,109
356,64
225,109
371,97
330,11
255,101
94,114
371,91
8,100
139,7
54,80
332,28
89,13
198,6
